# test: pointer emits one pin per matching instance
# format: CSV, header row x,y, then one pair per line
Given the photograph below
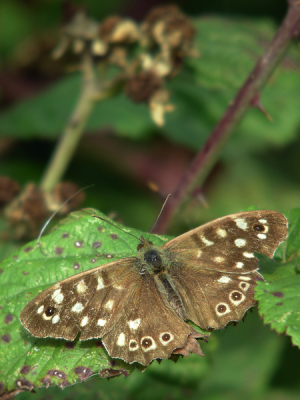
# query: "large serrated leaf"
x,y
78,243
293,242
279,301
279,294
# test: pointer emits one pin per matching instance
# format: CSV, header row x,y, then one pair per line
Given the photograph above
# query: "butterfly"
x,y
141,306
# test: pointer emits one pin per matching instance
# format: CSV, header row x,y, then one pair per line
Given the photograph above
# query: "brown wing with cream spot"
x,y
148,328
89,302
214,266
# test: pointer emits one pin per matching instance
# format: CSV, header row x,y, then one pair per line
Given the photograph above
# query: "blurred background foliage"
x,y
122,151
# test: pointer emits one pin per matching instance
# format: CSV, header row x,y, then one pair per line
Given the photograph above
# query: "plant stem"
x,y
202,164
72,133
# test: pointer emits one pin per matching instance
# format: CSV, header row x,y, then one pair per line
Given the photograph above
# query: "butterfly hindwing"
x,y
218,298
139,335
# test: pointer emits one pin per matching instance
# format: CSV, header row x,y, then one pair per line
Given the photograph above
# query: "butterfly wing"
x,y
148,327
89,302
215,269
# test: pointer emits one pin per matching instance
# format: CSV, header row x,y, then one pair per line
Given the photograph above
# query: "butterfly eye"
x,y
258,228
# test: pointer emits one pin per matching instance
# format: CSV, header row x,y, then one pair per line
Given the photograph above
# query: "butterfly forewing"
x,y
221,244
89,302
215,267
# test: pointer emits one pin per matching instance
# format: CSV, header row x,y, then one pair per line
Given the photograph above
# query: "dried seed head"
x,y
159,13
8,189
78,30
69,11
107,27
159,105
27,212
33,203
173,32
142,86
64,191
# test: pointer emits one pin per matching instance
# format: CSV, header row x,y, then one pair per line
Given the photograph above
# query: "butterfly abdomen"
x,y
167,288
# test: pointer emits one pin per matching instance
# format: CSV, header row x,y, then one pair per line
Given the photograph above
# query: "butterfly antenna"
x,y
115,226
56,211
161,210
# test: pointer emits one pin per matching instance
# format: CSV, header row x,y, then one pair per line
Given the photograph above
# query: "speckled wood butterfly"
x,y
140,306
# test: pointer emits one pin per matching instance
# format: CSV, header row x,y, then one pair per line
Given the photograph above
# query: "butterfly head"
x,y
151,258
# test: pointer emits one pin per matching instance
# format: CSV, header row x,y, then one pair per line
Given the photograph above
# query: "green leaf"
x,y
75,245
46,114
279,300
244,362
279,294
293,241
161,381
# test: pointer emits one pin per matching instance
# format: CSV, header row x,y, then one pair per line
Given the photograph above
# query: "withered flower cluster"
x,y
26,211
147,54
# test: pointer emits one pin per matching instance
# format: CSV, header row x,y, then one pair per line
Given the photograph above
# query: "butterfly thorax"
x,y
156,263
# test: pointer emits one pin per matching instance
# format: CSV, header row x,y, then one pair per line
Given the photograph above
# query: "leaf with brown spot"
x,y
282,282
45,268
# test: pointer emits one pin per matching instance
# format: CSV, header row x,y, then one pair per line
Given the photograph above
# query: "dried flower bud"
x,y
159,13
27,212
126,31
159,66
167,27
115,30
78,30
33,203
8,189
69,10
159,105
107,27
63,192
142,86
98,47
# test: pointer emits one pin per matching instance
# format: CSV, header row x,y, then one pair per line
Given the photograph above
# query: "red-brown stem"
x,y
202,164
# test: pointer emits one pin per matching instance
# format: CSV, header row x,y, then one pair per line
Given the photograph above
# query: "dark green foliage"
x,y
279,296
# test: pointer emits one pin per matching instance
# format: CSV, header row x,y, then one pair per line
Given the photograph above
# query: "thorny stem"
x,y
202,164
74,129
